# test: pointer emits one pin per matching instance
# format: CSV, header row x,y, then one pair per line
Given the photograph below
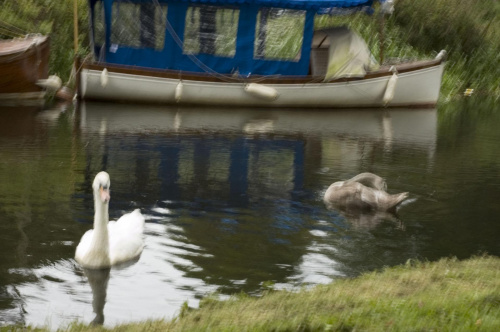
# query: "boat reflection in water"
x,y
411,126
343,137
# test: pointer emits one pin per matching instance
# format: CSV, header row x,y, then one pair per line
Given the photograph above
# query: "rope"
x,y
74,70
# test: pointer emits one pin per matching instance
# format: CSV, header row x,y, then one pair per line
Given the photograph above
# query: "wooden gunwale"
x,y
22,63
175,74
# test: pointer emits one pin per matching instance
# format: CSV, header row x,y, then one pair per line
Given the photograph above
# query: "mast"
x,y
387,8
75,26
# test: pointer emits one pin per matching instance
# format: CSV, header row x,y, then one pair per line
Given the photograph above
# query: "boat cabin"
x,y
236,37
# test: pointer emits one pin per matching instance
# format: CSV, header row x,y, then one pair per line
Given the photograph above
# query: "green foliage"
x,y
185,309
468,29
210,300
268,286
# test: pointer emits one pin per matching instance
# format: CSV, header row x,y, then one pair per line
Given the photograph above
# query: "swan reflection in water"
x,y
98,280
367,220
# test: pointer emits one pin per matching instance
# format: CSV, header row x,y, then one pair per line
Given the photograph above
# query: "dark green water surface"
x,y
232,199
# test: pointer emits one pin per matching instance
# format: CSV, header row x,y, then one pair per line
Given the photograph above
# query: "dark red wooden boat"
x,y
23,63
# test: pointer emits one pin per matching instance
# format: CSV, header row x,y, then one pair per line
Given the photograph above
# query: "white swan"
x,y
364,192
109,243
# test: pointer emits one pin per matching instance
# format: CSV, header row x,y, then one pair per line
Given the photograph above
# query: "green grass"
x,y
469,30
448,295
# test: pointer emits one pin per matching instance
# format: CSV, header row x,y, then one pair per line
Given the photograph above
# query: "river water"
x,y
232,200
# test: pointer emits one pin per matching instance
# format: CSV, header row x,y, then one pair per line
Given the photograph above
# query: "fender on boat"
x,y
178,92
262,91
391,87
52,83
104,78
441,55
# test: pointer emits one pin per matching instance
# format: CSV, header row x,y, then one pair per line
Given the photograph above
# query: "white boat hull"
x,y
414,88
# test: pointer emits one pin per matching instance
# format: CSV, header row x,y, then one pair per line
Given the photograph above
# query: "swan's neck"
x,y
100,239
369,180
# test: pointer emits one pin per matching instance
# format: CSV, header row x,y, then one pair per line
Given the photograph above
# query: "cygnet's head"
x,y
101,186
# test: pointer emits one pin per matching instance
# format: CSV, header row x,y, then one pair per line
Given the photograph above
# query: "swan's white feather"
x,y
365,191
121,242
86,256
125,237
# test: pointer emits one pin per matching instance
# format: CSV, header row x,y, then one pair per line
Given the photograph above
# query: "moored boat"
x,y
251,53
24,62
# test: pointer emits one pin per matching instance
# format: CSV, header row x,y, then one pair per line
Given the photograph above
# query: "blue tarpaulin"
x,y
223,36
291,4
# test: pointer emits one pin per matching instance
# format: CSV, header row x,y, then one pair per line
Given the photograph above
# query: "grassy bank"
x,y
448,295
468,29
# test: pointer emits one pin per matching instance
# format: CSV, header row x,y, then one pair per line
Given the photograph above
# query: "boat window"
x,y
211,30
140,25
279,34
98,24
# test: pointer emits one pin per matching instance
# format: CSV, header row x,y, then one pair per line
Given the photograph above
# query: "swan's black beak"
x,y
104,194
